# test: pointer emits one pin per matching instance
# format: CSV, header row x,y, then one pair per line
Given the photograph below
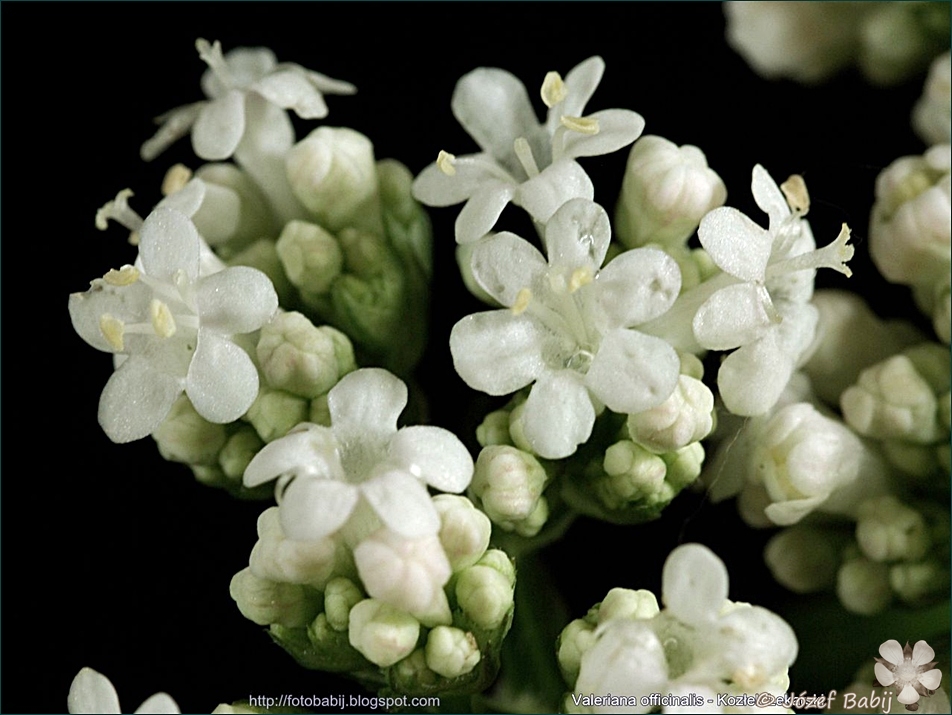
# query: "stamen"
x,y
211,54
834,255
112,330
580,277
125,276
553,89
162,321
175,179
582,125
523,297
795,191
119,211
524,154
444,162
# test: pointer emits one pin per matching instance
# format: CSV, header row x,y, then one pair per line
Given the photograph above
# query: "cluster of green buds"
x,y
298,363
312,600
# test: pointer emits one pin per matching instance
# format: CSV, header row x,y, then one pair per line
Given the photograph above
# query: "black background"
x,y
115,559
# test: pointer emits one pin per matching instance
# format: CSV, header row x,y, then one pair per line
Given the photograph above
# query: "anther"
x,y
444,162
162,321
112,330
553,89
523,297
582,125
175,179
127,275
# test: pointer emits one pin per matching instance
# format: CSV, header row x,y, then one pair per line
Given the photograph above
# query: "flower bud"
x,y
332,172
263,255
187,437
899,40
888,530
464,530
276,558
485,595
310,256
627,603
919,582
494,429
805,559
274,412
633,473
932,115
910,225
684,418
863,586
508,482
340,595
576,638
238,452
665,192
451,652
412,674
303,359
464,261
532,524
683,465
265,602
233,212
382,634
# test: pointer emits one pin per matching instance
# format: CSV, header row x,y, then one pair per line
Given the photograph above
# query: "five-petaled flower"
x,y
910,670
567,327
91,692
173,326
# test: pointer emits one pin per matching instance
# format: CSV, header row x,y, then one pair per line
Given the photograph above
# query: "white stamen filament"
x,y
119,211
582,125
553,89
524,154
834,255
445,161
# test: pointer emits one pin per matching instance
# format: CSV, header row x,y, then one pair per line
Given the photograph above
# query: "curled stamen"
x,y
582,125
795,191
523,297
524,154
444,162
175,179
112,330
127,275
162,321
553,89
119,211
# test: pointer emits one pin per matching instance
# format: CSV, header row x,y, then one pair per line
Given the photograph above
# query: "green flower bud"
x,y
500,561
412,674
274,557
920,582
238,451
381,633
494,429
576,638
686,416
485,595
633,473
899,40
332,172
322,647
310,256
340,595
532,524
888,530
805,559
508,483
628,603
684,465
274,412
263,255
302,359
320,412
265,602
211,476
464,530
185,436
863,586
451,652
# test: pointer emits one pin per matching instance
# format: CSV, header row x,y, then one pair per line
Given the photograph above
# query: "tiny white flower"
x,y
362,465
234,83
568,327
91,692
910,670
529,163
175,325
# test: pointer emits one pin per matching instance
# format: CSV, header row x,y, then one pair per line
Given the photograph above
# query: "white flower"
x,y
91,692
176,327
362,464
910,670
932,115
568,328
529,163
232,83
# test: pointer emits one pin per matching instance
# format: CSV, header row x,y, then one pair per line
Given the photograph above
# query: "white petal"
x,y
158,704
556,184
736,244
222,380
637,286
497,352
169,242
559,415
402,503
433,187
268,136
930,679
908,695
329,85
733,316
136,399
787,513
694,584
626,659
365,405
434,455
633,372
307,452
236,300
219,126
312,509
174,125
578,235
617,128
186,200
483,209
125,303
768,196
91,692
493,107
892,651
580,84
884,675
922,653
504,264
245,64
290,90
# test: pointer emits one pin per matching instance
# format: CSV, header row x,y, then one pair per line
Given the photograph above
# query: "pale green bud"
x,y
263,255
516,432
485,595
340,595
897,40
332,172
464,530
238,451
532,524
274,557
494,429
451,652
499,561
892,400
274,412
185,436
932,115
233,212
931,361
210,475
686,416
381,633
684,465
628,603
464,258
320,412
412,673
265,602
805,559
508,482
302,359
863,586
691,365
919,582
311,257
576,638
666,191
888,530
633,473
